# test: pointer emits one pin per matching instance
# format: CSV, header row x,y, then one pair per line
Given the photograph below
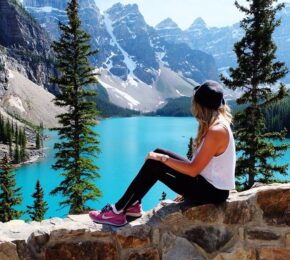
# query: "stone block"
x,y
262,234
155,237
174,247
206,213
23,250
238,254
288,239
37,241
8,251
210,238
273,254
275,204
148,253
132,237
238,212
83,251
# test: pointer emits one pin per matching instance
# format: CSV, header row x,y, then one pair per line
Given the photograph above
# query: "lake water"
x,y
125,143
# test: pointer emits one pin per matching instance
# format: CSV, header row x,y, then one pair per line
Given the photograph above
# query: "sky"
x,y
216,13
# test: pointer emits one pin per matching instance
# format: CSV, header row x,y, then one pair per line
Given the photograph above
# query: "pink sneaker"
x,y
107,216
134,210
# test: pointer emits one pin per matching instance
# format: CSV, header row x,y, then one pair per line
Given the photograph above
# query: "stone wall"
x,y
254,224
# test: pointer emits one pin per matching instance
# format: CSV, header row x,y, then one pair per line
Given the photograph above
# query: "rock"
x,y
26,42
8,251
288,239
210,238
156,237
37,241
133,237
206,213
149,253
239,254
174,247
82,250
261,234
238,212
274,254
174,233
275,205
23,250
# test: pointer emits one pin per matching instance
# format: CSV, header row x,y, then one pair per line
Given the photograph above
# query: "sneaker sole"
x,y
109,223
135,215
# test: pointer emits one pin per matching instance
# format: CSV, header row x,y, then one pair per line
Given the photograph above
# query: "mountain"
x,y
25,66
26,42
169,31
219,42
134,61
26,100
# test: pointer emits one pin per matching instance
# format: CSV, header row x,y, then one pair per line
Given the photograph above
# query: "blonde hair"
x,y
206,117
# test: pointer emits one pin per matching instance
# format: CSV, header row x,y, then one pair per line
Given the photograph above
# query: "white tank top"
x,y
220,171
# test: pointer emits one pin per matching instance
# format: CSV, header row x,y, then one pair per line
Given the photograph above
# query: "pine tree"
x,y
10,150
257,71
23,142
20,137
39,208
41,129
189,151
22,153
17,157
37,141
24,139
78,141
6,132
9,194
10,144
1,128
16,135
12,128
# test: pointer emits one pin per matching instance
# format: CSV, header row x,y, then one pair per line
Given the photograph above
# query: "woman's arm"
x,y
215,143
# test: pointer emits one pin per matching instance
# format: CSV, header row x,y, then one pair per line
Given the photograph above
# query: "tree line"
x,y
16,139
13,136
277,116
10,195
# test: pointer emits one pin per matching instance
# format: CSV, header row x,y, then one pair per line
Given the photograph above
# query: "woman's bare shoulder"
x,y
218,129
218,133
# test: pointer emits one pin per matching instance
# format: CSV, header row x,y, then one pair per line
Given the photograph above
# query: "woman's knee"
x,y
159,150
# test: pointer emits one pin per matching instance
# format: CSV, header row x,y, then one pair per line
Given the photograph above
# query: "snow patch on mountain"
x,y
129,93
131,65
132,103
46,9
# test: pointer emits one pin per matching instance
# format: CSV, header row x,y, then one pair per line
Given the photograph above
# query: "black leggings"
x,y
195,189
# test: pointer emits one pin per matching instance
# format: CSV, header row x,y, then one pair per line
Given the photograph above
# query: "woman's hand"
x,y
154,156
179,198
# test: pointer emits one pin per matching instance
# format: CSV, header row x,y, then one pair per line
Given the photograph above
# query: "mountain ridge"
x,y
131,52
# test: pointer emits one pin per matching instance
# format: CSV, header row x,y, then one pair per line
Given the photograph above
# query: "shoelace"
x,y
106,208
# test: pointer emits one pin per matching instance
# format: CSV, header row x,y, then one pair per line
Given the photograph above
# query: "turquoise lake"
x,y
125,143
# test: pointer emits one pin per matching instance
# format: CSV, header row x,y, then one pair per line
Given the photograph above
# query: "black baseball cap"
x,y
210,94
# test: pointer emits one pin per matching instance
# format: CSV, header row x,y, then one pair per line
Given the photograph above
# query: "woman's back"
x,y
220,171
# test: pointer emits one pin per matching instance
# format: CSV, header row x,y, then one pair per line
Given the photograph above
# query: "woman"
x,y
207,178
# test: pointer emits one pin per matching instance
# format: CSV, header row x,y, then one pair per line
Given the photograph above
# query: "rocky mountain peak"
x,y
167,24
127,13
198,23
18,30
26,44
